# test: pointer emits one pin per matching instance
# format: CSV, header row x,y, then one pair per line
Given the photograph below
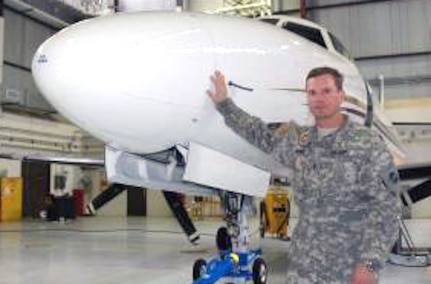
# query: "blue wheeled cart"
x,y
243,266
235,261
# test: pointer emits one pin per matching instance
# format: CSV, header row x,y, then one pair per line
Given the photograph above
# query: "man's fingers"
x,y
218,91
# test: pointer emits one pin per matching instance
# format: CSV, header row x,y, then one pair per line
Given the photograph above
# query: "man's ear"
x,y
342,96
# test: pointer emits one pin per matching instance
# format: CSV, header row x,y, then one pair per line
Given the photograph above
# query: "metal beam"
x,y
393,55
338,5
395,81
55,14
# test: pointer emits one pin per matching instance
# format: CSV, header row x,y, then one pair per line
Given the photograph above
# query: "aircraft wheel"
x,y
199,268
260,271
223,240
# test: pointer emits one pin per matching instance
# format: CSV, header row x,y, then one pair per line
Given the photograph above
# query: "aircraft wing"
x,y
67,160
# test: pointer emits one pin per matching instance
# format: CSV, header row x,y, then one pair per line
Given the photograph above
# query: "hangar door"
x,y
36,176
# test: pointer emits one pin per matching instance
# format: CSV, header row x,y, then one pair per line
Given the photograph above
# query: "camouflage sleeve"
x,y
384,204
251,128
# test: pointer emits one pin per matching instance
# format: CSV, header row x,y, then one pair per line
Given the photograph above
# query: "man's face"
x,y
323,96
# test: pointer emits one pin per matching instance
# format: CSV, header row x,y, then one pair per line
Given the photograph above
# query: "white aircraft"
x,y
138,82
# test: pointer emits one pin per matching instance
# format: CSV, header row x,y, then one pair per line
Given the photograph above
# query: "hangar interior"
x,y
135,237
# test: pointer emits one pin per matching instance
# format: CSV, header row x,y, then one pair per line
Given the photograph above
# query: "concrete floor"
x,y
134,250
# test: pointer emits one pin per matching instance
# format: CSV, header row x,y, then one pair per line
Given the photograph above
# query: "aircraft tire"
x,y
223,239
259,271
199,268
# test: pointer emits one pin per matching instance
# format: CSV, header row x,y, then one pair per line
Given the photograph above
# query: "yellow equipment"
x,y
274,212
10,199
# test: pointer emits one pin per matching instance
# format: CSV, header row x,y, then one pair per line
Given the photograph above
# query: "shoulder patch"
x,y
390,177
301,135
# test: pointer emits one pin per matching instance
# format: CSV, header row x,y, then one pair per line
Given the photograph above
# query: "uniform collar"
x,y
342,134
338,138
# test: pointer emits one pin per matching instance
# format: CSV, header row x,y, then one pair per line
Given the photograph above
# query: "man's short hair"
x,y
319,71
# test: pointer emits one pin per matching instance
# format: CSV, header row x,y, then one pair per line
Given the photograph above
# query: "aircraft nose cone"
x,y
112,76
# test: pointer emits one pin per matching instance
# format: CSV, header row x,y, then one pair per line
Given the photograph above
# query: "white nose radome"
x,y
113,75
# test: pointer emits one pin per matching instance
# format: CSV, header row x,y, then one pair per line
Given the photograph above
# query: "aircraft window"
x,y
339,46
309,33
270,21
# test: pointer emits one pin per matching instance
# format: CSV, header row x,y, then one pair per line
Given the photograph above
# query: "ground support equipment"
x,y
235,261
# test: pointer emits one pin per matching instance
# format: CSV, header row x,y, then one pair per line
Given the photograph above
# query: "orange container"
x,y
11,199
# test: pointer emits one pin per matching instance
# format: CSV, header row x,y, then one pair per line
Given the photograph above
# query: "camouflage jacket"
x,y
345,187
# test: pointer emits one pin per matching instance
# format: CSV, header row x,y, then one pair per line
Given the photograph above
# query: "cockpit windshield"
x,y
309,33
312,34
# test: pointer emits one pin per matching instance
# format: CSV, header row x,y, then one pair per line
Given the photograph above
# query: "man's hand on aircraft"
x,y
219,91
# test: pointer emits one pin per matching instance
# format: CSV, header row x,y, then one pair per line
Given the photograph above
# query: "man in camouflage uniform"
x,y
344,179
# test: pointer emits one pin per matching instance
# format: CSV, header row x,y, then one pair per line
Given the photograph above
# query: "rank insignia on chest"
x,y
304,138
356,138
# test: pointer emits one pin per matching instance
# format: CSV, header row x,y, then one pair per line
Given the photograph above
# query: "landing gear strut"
x,y
235,260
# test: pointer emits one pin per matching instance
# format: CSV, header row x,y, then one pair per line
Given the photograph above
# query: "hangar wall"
x,y
10,168
115,208
156,204
22,36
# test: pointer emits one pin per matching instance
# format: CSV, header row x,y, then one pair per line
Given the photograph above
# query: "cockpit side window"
x,y
339,46
309,33
270,21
